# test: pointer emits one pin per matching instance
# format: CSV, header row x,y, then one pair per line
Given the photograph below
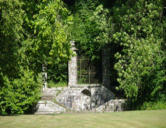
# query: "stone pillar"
x,y
72,67
106,67
44,75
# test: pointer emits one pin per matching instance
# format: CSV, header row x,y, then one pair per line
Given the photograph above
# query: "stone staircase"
x,y
113,105
61,100
48,104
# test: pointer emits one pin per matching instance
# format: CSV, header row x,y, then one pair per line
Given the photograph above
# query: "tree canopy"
x,y
39,32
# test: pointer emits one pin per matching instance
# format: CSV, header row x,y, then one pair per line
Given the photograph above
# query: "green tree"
x,y
11,34
32,33
19,89
139,33
91,27
49,41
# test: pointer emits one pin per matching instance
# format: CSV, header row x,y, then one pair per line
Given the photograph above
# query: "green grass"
x,y
133,119
59,84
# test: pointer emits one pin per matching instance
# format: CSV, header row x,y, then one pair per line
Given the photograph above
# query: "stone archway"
x,y
72,67
86,92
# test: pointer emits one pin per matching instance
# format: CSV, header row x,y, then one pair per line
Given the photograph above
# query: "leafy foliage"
x,y
32,33
11,33
38,32
140,65
19,95
153,105
91,27
48,42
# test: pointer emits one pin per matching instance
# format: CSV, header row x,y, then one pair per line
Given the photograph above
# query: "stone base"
x,y
79,99
84,98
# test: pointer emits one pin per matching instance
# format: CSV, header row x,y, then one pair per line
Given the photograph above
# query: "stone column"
x,y
72,67
44,75
106,67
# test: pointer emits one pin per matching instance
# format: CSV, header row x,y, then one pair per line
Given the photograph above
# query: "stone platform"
x,y
80,98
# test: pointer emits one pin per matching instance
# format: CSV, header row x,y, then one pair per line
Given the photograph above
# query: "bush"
x,y
154,105
141,61
19,95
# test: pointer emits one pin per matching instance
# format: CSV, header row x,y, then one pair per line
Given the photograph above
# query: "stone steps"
x,y
60,100
47,104
49,98
49,107
114,105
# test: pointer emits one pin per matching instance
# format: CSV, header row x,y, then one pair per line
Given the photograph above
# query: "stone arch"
x,y
86,92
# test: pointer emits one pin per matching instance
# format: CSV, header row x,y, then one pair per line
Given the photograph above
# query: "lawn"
x,y
132,119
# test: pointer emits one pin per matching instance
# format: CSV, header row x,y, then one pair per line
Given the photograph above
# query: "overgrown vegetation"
x,y
39,32
134,31
32,33
141,61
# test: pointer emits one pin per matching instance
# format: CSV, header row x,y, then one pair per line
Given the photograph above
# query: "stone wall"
x,y
94,98
84,98
47,104
113,105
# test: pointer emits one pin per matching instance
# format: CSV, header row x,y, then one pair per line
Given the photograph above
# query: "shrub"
x,y
154,105
19,95
141,61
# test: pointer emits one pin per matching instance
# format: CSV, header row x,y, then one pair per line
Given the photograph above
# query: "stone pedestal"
x,y
72,67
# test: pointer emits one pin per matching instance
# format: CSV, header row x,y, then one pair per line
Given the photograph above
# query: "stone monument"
x,y
81,98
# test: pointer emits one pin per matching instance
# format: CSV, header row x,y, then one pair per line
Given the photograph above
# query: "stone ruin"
x,y
80,98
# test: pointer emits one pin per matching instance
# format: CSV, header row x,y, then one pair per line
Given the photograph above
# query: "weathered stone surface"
x,y
81,97
44,75
72,67
94,98
52,91
113,105
78,98
49,107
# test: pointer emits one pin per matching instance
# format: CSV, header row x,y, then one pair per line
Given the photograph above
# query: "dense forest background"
x,y
39,32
